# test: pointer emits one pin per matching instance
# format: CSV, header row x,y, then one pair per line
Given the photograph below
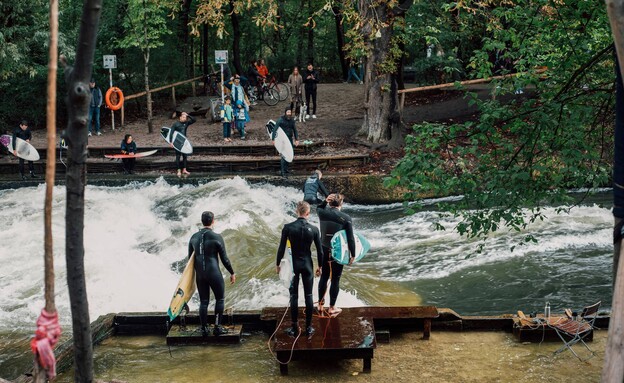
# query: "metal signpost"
x,y
110,63
221,57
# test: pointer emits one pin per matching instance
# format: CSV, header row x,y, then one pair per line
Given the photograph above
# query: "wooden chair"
x,y
573,330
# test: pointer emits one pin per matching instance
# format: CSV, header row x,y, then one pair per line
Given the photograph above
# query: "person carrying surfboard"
x,y
287,123
332,220
128,146
312,187
25,134
181,126
301,235
208,248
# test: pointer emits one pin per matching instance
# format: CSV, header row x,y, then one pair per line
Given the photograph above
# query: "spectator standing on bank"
x,y
311,79
94,107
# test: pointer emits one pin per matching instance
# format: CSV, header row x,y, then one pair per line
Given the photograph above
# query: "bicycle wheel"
x,y
270,97
283,90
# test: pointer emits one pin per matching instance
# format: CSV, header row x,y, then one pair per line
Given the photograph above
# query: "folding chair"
x,y
573,330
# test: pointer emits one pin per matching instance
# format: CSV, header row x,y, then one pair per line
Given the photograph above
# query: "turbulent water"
x,y
136,239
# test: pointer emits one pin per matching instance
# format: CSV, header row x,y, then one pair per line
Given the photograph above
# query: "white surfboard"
x,y
178,140
24,149
287,272
340,247
282,143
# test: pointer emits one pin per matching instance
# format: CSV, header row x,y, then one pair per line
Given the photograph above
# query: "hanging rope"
x,y
48,329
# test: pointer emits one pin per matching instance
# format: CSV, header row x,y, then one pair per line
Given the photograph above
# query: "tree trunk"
x,y
236,54
310,35
340,40
150,124
183,36
381,117
78,98
400,66
205,60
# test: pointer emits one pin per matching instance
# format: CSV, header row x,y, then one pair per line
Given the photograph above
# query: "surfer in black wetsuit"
x,y
301,235
332,220
181,126
287,123
25,134
312,187
209,247
128,146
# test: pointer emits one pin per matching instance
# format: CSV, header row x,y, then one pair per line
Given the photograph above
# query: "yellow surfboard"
x,y
184,291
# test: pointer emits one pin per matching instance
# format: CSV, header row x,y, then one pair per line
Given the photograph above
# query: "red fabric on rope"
x,y
46,337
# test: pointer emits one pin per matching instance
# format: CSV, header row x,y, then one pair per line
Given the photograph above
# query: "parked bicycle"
x,y
270,96
280,87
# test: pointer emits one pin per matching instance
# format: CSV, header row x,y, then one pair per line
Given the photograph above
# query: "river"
x,y
136,241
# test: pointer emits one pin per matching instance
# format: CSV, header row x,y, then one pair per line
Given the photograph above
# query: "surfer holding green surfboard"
x,y
209,247
301,235
332,220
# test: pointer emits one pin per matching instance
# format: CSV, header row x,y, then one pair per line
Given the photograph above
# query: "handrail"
x,y
402,92
163,87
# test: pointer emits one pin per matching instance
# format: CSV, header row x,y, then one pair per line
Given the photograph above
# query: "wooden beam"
x,y
613,369
130,97
467,82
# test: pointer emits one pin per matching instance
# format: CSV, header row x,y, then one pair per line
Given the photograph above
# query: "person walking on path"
x,y
301,235
332,220
209,247
287,123
311,79
25,134
94,107
181,126
312,187
128,146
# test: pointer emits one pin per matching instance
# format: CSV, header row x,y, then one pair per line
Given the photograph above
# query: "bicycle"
x,y
282,89
212,84
269,96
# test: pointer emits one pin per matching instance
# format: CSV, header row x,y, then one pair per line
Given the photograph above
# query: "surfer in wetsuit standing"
x,y
209,247
25,134
312,187
287,123
332,220
301,235
181,126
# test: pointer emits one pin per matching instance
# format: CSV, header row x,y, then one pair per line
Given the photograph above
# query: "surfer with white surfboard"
x,y
332,220
208,248
24,133
181,126
287,123
301,235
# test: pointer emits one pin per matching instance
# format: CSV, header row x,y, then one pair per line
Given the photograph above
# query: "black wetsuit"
x,y
288,126
332,221
207,273
128,163
311,188
301,235
310,88
25,135
181,127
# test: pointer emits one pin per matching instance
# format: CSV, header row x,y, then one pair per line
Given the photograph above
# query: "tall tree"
x,y
145,26
340,40
78,98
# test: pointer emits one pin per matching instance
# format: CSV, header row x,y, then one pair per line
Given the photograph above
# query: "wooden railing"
x,y
173,94
402,92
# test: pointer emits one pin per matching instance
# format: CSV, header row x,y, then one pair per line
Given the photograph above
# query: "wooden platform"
x,y
539,329
191,334
350,335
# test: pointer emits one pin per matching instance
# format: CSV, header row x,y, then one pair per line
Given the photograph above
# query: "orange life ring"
x,y
114,98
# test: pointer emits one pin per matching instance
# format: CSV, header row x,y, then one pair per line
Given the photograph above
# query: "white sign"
x,y
110,62
221,57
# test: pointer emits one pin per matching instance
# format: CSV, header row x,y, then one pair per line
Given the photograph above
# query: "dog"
x,y
300,109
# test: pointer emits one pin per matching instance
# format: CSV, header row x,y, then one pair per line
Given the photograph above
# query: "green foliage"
x,y
144,25
528,153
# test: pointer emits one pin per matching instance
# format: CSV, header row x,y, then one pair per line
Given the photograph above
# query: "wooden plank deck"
x,y
191,334
350,335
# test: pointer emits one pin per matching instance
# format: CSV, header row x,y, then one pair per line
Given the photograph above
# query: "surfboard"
x,y
24,149
137,155
340,247
282,143
178,140
287,272
184,290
